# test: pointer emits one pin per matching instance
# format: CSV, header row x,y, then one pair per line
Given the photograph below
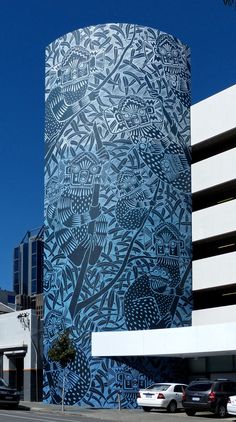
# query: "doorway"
x,y
16,374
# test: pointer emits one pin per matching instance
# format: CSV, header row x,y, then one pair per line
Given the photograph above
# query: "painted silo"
x,y
117,203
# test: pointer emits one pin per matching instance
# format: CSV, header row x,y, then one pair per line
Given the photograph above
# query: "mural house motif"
x,y
117,203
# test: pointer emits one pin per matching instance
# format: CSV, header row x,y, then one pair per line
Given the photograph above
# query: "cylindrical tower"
x,y
117,202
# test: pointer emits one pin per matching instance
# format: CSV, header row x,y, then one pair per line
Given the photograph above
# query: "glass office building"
x,y
28,264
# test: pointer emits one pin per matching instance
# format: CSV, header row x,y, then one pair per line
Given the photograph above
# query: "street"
x,y
108,415
42,416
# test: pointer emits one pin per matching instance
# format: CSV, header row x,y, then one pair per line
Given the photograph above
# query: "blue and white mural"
x,y
117,203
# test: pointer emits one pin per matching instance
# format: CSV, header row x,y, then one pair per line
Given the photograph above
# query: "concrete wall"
x,y
199,340
219,315
18,339
214,170
213,116
214,221
214,271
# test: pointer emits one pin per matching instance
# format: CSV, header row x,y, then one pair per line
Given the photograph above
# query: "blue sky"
x,y
26,27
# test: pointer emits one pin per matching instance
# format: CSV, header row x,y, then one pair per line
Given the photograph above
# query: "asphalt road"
x,y
42,416
8,415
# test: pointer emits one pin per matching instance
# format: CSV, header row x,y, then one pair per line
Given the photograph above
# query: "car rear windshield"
x,y
159,387
205,386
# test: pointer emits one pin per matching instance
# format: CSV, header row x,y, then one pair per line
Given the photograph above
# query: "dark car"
x,y
8,396
208,395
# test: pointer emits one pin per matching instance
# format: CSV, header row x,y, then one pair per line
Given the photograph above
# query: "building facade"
x,y
208,346
7,297
21,331
117,204
21,351
28,269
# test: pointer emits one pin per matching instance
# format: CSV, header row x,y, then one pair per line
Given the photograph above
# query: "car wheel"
x,y
190,412
147,409
221,411
172,407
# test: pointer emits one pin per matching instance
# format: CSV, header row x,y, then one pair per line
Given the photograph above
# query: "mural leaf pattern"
x,y
117,203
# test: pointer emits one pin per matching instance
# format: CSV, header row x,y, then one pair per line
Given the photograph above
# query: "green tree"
x,y
63,352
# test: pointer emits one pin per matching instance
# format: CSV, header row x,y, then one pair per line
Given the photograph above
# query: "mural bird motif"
x,y
77,379
104,212
148,301
69,82
132,205
166,155
176,72
76,216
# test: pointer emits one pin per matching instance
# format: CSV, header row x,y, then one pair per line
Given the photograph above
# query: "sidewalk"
x,y
123,415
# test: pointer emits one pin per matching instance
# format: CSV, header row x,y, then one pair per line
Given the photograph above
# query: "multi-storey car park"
x,y
209,344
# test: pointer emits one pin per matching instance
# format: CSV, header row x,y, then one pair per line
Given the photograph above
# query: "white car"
x,y
231,405
162,395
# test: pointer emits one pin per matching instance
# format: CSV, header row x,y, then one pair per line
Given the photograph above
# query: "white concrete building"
x,y
20,352
210,343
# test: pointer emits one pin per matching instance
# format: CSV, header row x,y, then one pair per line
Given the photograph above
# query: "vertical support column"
x,y
7,367
1,364
28,383
34,359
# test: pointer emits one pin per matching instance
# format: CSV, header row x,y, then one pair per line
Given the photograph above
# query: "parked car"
x,y
162,395
208,395
231,405
8,396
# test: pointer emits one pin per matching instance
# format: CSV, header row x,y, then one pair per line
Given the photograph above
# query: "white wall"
x,y
14,335
217,169
213,116
214,271
214,220
207,340
222,314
